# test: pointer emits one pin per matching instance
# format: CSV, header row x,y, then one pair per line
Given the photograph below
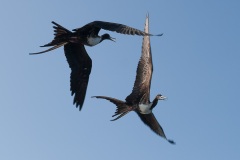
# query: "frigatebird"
x,y
139,99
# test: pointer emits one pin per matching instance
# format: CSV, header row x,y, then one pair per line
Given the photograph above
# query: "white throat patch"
x,y
92,41
145,108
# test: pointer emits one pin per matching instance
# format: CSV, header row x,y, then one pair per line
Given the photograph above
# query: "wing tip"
x,y
33,53
159,34
171,141
79,106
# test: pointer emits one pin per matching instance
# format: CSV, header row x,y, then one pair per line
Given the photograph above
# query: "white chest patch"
x,y
93,41
145,108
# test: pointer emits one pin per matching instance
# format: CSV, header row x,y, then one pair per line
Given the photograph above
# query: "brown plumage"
x,y
138,100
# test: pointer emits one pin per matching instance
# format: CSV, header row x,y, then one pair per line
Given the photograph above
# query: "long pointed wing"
x,y
141,89
115,27
151,121
81,65
122,107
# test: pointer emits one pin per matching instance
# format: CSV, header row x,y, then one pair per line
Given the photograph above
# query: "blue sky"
x,y
196,65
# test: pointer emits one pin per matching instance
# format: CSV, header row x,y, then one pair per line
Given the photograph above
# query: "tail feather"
x,y
50,49
120,115
122,107
61,36
121,111
60,30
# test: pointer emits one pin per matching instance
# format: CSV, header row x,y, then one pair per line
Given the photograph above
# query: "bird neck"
x,y
154,102
102,38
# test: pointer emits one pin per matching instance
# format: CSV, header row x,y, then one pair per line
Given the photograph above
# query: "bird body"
x,y
92,41
145,108
139,99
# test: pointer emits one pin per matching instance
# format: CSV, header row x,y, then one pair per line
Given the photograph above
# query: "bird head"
x,y
161,97
107,36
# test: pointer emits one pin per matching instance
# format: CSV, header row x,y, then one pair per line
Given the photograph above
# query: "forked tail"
x,y
61,36
122,107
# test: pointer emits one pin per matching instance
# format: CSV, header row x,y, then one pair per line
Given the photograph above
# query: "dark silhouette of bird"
x,y
76,54
139,100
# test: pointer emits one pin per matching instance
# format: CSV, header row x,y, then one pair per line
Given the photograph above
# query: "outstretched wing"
x,y
122,107
95,26
141,89
81,65
151,121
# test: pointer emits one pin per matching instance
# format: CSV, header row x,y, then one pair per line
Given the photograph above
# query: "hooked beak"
x,y
162,98
112,39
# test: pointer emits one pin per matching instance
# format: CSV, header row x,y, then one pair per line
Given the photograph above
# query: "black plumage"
x,y
76,54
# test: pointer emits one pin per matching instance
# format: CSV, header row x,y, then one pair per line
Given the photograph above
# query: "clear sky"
x,y
196,65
